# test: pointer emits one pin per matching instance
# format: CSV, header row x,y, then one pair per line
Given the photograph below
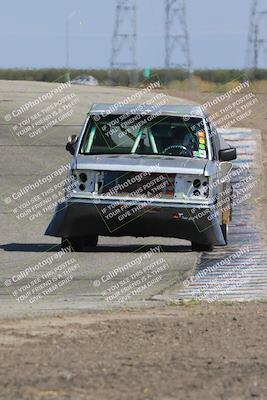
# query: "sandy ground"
x,y
189,352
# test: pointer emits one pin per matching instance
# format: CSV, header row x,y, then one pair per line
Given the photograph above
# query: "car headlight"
x,y
83,177
188,187
85,181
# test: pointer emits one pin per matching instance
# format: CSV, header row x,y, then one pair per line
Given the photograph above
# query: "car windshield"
x,y
147,135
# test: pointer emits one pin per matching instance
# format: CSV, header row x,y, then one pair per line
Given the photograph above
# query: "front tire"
x,y
201,247
224,228
75,244
78,244
91,240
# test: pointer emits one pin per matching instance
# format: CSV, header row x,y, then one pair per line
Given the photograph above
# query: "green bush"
x,y
131,77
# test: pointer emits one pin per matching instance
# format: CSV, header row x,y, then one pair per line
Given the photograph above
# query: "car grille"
x,y
137,184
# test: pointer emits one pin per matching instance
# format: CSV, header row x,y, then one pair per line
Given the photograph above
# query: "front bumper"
x,y
83,217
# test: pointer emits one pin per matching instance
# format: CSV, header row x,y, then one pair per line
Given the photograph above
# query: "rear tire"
x,y
201,247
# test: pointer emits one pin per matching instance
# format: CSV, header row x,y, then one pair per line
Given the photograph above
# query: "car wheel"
x,y
76,244
201,247
91,240
224,228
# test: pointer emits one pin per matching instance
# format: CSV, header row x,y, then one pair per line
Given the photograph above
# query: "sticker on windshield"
x,y
202,153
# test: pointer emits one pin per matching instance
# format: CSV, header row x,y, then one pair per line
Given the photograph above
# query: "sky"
x,y
32,33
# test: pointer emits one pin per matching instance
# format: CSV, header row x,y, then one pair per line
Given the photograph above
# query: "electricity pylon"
x,y
257,38
177,50
124,36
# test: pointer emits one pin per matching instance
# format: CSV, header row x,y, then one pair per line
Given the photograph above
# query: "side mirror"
x,y
71,144
227,154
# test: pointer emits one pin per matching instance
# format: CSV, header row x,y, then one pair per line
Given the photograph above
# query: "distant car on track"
x,y
87,80
137,171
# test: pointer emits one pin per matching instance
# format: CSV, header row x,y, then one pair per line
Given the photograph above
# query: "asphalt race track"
x,y
32,142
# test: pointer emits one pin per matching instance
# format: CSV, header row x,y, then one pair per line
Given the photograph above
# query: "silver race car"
x,y
141,171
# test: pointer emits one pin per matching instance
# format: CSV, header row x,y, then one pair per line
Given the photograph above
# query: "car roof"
x,y
171,109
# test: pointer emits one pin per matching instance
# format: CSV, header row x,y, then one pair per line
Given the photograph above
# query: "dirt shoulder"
x,y
204,351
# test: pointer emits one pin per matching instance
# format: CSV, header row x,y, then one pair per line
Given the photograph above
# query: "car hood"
x,y
144,163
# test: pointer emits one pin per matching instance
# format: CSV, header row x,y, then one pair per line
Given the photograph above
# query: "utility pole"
x,y
123,55
67,44
177,49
